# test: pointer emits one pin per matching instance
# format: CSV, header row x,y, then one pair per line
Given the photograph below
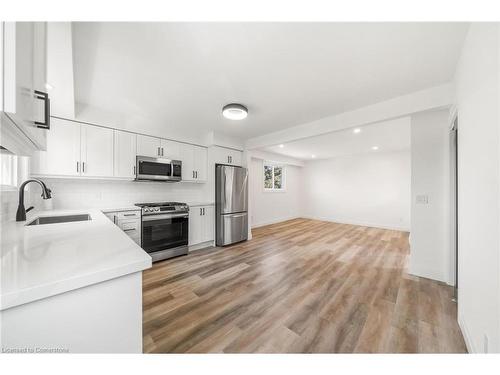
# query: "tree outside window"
x,y
274,177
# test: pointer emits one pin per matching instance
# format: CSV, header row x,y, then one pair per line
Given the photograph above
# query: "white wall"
x,y
430,175
371,189
272,207
477,82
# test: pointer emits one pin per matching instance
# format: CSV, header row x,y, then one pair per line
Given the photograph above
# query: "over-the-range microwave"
x,y
158,169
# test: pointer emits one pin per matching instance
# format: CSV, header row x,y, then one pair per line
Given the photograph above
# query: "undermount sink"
x,y
59,219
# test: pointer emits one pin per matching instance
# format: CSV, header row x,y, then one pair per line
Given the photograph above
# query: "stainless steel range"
x,y
165,229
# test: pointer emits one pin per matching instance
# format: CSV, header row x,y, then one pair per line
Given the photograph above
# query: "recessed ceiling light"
x,y
48,86
313,156
356,131
282,145
375,148
235,111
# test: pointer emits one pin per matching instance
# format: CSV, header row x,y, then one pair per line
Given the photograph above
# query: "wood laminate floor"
x,y
301,286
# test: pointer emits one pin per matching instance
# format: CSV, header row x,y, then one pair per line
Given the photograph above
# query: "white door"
x,y
208,223
62,157
148,146
195,225
124,154
200,163
170,149
96,151
187,158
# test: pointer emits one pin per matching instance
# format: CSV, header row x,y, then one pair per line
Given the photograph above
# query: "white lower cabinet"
x,y
201,224
127,221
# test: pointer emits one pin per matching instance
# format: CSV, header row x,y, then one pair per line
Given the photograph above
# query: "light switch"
x,y
422,199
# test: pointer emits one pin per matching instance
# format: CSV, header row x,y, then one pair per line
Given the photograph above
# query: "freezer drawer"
x,y
232,228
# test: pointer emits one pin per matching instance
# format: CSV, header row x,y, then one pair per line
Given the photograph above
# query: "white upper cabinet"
x,y
200,163
229,156
62,157
170,149
23,64
148,146
194,163
124,154
75,149
96,151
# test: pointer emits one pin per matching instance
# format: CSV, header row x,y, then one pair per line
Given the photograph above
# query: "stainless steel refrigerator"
x,y
231,204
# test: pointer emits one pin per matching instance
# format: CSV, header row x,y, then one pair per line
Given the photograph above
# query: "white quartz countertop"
x,y
195,204
44,260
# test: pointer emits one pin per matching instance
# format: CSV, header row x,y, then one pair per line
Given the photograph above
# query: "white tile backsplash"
x,y
75,194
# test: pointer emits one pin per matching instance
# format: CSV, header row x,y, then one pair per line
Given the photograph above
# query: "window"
x,y
274,177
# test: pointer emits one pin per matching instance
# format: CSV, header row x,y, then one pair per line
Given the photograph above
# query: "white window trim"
x,y
283,172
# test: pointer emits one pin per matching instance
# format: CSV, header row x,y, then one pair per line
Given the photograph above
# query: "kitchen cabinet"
x,y
23,62
96,151
223,155
148,146
125,150
170,149
194,163
201,224
75,149
129,222
62,157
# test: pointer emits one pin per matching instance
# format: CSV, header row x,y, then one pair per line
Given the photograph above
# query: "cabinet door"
x,y
235,157
124,154
148,146
195,225
208,223
62,157
187,158
170,149
18,92
96,151
200,163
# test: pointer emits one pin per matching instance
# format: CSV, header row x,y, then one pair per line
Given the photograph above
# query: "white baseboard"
x,y
200,246
359,223
274,221
465,334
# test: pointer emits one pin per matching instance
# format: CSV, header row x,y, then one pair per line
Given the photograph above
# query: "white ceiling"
x,y
388,136
181,74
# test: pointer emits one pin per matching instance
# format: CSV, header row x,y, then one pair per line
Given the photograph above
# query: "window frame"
x,y
273,164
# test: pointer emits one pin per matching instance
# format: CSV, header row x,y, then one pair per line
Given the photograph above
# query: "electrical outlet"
x,y
422,199
485,344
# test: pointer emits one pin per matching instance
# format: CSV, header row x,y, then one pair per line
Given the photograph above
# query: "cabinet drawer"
x,y
129,226
128,215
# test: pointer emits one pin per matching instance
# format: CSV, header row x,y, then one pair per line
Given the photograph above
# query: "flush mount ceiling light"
x,y
282,145
313,156
375,148
356,131
234,111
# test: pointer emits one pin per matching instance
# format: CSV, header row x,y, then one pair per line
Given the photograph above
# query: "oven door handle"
x,y
165,216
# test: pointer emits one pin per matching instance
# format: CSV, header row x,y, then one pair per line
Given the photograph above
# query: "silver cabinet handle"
x,y
128,214
78,166
162,151
203,211
134,170
159,152
83,167
129,230
193,174
196,174
200,211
